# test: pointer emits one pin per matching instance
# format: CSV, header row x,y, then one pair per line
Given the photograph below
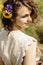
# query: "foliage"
x,y
39,31
31,31
1,7
40,7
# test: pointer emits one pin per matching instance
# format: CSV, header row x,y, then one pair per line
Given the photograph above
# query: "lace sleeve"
x,y
21,53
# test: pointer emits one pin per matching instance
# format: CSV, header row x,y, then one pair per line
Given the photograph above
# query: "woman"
x,y
17,48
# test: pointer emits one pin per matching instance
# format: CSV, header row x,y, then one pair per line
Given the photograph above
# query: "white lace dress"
x,y
13,46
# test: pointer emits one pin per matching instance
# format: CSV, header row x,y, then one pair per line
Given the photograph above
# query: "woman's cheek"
x,y
24,20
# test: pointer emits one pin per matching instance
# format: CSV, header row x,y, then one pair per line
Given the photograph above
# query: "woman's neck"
x,y
16,27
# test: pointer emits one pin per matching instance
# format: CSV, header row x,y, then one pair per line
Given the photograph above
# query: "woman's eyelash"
x,y
25,16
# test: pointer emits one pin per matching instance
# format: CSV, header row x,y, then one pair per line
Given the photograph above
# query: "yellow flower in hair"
x,y
7,14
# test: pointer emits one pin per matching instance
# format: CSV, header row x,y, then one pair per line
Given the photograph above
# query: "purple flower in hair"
x,y
9,8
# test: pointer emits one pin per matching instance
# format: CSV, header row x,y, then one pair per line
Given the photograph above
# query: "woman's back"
x,y
14,46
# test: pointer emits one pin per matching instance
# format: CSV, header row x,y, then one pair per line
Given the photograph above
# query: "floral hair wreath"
x,y
7,13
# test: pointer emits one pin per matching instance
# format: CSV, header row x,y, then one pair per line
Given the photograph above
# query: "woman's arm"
x,y
30,58
1,61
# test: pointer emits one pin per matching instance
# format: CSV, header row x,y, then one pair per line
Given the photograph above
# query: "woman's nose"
x,y
29,19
